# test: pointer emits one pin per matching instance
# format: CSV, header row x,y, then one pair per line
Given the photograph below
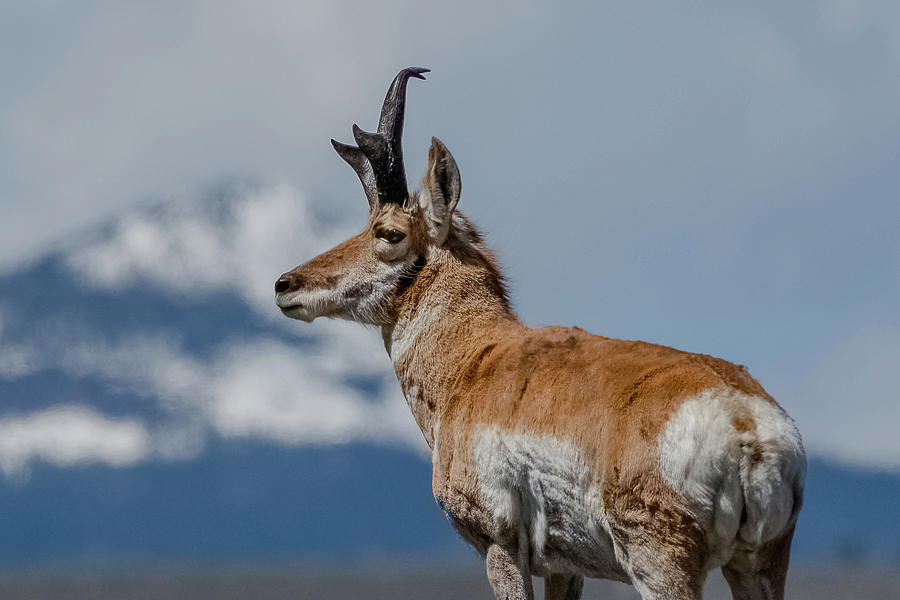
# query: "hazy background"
x,y
719,179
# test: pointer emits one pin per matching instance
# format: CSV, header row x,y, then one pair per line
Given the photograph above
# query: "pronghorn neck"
x,y
455,306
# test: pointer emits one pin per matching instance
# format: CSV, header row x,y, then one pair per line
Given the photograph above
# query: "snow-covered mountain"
x,y
155,405
153,335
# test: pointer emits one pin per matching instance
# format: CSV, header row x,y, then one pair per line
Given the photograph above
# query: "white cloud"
x,y
239,243
129,101
114,104
270,390
70,435
150,367
262,388
259,388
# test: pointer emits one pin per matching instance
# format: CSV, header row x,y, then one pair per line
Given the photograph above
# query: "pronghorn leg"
x,y
661,570
762,575
563,587
676,587
508,573
663,550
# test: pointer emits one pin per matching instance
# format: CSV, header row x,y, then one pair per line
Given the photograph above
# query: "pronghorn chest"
x,y
498,484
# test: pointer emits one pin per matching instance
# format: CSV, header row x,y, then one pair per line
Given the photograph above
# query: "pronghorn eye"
x,y
391,236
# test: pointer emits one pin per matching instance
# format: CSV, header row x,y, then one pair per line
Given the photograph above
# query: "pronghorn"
x,y
555,452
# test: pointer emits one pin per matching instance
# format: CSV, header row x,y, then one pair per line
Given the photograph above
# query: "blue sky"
x,y
721,179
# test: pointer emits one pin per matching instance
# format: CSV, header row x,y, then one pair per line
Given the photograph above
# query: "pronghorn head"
x,y
361,278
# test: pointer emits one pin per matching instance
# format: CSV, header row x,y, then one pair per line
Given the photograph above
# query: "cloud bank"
x,y
196,248
68,436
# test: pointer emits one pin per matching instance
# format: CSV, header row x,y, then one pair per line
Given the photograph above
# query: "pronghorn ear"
x,y
440,190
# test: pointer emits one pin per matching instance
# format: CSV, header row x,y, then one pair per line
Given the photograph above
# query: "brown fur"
x,y
609,397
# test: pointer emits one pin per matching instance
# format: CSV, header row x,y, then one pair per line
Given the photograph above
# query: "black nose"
x,y
282,285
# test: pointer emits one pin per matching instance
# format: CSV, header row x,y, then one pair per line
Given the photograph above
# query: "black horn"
x,y
378,157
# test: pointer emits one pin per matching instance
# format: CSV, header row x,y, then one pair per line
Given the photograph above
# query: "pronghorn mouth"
x,y
297,311
304,305
287,303
283,304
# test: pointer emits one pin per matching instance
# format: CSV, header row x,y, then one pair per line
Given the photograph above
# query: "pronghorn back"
x,y
651,426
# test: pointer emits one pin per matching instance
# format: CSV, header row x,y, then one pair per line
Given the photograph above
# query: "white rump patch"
x,y
725,471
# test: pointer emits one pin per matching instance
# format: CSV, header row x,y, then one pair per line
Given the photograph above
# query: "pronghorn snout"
x,y
289,282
